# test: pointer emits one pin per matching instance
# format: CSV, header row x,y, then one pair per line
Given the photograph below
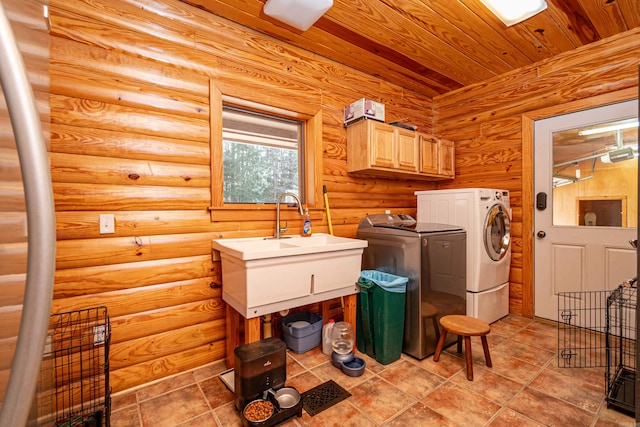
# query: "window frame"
x,y
282,106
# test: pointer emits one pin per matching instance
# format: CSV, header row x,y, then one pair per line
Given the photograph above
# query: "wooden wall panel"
x,y
492,150
130,137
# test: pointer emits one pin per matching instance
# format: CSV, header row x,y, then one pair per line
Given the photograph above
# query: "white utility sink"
x,y
263,275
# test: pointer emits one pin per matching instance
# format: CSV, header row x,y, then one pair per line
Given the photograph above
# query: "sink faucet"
x,y
300,211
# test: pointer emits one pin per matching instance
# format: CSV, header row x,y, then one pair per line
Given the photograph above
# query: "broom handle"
x,y
326,205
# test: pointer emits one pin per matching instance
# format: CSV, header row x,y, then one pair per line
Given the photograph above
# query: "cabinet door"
x,y
383,145
407,150
428,153
447,158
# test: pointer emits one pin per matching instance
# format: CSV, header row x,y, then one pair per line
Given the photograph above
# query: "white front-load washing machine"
x,y
486,216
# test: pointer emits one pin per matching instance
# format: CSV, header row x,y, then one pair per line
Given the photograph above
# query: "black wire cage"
x,y
598,329
74,382
621,349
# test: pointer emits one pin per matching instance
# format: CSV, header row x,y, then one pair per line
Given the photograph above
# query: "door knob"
x,y
541,234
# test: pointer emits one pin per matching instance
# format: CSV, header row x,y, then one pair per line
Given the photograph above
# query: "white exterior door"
x,y
589,186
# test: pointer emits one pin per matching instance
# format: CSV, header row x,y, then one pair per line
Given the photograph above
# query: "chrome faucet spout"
x,y
279,230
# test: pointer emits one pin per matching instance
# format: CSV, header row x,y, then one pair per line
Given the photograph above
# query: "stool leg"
x,y
467,347
436,328
440,345
485,347
459,348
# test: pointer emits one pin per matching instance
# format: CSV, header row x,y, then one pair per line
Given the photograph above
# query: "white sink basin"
x,y
265,247
263,276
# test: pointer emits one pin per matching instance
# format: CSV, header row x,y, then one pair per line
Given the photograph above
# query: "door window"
x,y
595,171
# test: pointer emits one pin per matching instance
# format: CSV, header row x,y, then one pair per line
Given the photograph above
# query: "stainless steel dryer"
x,y
433,257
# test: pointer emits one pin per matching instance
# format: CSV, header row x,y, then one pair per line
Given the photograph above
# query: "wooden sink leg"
x,y
233,335
350,311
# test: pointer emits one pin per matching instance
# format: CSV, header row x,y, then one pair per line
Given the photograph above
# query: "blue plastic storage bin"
x,y
302,338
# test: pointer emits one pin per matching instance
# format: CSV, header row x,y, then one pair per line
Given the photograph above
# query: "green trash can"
x,y
380,315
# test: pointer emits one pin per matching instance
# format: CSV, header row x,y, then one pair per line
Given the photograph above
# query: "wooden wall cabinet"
x,y
375,148
437,156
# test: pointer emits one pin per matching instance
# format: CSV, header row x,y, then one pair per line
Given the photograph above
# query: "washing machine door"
x,y
497,232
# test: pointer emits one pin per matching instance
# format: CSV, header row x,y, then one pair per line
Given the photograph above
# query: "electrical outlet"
x,y
47,345
99,334
107,224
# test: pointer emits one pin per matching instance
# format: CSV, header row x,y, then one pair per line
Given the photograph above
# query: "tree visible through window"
x,y
261,156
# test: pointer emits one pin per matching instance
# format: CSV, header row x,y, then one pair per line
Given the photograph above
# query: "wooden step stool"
x,y
467,327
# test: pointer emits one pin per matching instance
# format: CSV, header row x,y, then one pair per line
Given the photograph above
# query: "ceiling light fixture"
x,y
300,14
513,11
612,128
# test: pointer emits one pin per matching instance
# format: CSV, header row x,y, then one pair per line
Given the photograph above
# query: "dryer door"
x,y
497,232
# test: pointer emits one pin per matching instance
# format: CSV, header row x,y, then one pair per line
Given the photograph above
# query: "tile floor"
x,y
525,387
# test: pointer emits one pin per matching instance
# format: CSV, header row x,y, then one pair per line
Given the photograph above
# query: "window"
x,y
262,156
260,127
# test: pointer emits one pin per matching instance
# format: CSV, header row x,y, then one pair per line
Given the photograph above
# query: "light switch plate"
x,y
107,224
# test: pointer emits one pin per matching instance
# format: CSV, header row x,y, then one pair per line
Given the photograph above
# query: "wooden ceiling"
x,y
433,47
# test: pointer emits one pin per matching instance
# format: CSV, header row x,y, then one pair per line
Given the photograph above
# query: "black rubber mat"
x,y
323,397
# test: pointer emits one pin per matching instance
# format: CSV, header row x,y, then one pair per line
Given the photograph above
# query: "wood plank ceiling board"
x,y
335,42
571,17
605,15
376,21
432,47
631,12
439,26
477,28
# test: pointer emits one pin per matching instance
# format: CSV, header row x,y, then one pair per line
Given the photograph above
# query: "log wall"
x,y
491,126
130,137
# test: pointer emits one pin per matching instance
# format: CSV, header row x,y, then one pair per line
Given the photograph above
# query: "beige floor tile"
x,y
311,358
460,405
303,382
341,414
611,418
204,420
216,392
487,383
293,367
412,379
228,416
510,418
513,368
447,366
127,417
544,327
209,371
580,393
164,386
420,415
514,320
505,328
536,340
523,351
548,410
173,408
122,400
379,400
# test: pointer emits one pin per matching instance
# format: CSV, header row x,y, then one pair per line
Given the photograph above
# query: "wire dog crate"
x,y
598,329
621,348
74,388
